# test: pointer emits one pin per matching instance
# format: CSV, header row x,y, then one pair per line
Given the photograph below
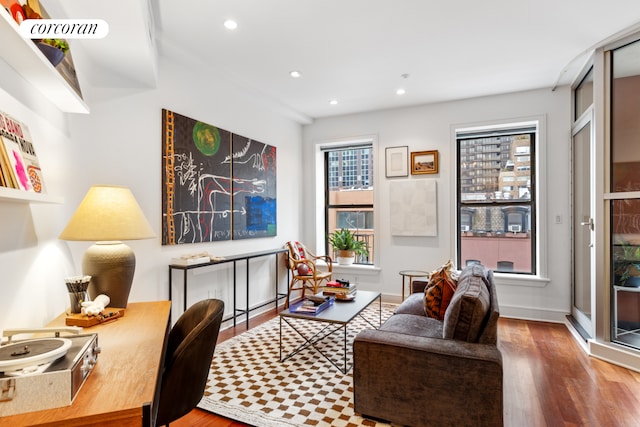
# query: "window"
x,y
349,194
624,188
495,200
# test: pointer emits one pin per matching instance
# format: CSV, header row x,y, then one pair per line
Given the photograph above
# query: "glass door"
x,y
624,195
582,227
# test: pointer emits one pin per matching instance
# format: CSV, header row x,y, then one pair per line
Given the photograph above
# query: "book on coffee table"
x,y
311,306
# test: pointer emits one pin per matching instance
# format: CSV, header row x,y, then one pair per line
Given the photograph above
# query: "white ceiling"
x,y
355,51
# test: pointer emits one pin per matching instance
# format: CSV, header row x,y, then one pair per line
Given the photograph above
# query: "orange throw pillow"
x,y
439,291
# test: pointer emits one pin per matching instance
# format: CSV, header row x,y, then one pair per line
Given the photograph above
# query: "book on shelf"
x,y
12,160
31,161
5,168
19,163
3,180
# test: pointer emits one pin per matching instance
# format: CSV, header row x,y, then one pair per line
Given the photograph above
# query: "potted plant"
x,y
626,264
53,49
346,246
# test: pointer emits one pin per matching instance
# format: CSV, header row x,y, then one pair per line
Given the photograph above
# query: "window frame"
x,y
327,203
320,217
540,224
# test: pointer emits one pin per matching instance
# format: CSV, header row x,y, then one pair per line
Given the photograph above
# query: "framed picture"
x,y
424,162
397,161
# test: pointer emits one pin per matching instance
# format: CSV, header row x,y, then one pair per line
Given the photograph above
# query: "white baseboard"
x,y
615,354
533,313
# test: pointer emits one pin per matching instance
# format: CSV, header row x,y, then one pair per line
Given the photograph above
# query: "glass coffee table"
x,y
337,316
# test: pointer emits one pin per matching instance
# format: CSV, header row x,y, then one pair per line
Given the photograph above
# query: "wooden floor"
x,y
548,381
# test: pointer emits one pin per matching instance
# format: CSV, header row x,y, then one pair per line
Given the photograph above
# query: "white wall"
x,y
429,127
119,142
33,261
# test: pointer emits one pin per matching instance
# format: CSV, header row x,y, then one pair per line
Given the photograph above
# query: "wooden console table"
x,y
121,387
234,259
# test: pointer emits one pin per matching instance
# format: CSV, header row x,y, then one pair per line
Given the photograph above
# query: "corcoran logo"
x,y
64,28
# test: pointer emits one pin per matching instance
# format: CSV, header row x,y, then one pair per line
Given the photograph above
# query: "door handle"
x,y
588,223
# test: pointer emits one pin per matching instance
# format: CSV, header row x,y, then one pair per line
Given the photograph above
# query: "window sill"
x,y
508,279
353,268
356,268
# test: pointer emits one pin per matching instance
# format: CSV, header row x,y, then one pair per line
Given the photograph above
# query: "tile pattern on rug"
x,y
248,383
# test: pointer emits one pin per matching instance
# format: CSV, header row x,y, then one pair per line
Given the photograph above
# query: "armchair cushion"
x,y
298,250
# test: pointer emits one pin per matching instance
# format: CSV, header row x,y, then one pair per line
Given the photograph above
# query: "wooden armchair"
x,y
311,279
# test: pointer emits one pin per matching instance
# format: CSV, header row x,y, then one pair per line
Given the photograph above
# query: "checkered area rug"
x,y
248,383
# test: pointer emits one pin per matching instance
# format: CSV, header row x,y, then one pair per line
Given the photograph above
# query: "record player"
x,y
44,373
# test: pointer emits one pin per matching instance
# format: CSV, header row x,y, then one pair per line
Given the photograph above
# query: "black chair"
x,y
189,351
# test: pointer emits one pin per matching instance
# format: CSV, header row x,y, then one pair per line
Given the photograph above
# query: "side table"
x,y
411,274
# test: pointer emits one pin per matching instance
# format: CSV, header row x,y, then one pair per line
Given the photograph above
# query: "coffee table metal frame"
x,y
337,316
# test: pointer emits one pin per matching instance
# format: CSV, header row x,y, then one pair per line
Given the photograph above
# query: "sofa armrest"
x,y
411,380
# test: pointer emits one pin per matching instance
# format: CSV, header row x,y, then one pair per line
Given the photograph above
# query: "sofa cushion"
x,y
412,305
439,291
465,316
409,324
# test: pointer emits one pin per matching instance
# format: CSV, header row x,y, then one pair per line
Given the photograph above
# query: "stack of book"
x,y
192,259
340,289
312,304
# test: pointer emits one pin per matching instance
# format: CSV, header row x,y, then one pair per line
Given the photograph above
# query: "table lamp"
x,y
107,215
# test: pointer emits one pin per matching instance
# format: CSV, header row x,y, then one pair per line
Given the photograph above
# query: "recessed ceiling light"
x,y
333,102
400,91
230,24
295,74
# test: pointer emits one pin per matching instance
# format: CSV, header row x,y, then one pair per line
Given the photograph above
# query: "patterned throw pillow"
x,y
298,250
439,291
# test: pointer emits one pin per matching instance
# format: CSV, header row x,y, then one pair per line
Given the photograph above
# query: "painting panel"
x,y
196,181
414,208
254,188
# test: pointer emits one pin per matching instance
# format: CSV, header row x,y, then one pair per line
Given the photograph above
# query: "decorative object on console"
x,y
192,259
346,245
107,215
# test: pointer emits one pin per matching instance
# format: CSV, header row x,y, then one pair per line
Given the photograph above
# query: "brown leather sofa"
x,y
419,371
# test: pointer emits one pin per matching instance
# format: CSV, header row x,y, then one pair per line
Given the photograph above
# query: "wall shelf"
x,y
20,196
25,57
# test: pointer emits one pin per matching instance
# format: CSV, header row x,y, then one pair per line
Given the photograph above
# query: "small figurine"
x,y
95,307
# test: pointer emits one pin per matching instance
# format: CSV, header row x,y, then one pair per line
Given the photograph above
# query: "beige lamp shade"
x,y
107,215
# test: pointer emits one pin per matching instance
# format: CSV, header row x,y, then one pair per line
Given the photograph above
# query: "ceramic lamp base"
x,y
111,266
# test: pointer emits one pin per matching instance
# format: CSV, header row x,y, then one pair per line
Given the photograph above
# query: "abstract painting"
x,y
216,185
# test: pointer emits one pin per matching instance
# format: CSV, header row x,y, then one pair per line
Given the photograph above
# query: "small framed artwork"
x,y
397,161
423,162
